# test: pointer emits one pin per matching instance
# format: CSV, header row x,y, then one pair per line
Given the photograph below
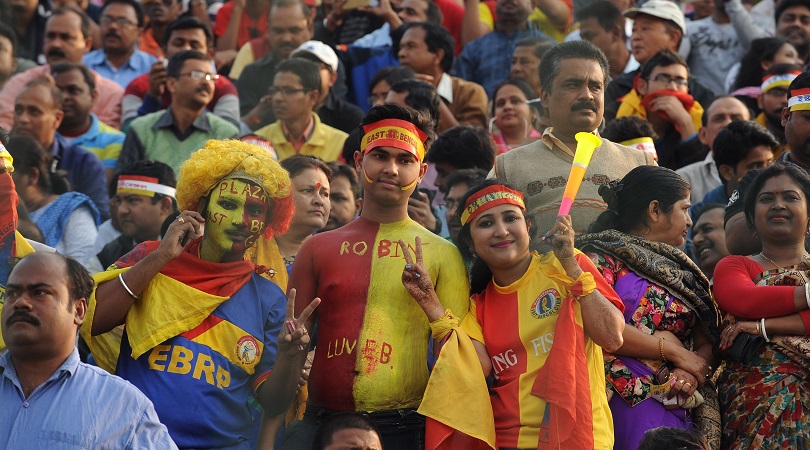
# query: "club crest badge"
x,y
546,304
247,350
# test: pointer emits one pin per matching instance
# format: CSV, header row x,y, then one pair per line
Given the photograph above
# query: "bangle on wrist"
x,y
807,295
759,328
764,334
661,348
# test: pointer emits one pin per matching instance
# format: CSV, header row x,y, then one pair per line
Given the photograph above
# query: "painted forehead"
x,y
241,188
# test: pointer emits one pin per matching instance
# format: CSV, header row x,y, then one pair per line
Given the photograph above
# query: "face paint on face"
x,y
235,220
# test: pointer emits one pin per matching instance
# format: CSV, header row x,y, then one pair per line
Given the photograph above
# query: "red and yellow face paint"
x,y
488,198
394,133
235,216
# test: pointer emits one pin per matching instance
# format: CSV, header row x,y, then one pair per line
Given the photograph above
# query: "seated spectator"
x,y
428,50
633,132
516,121
773,99
161,13
147,93
703,175
67,39
289,26
145,197
331,109
739,147
298,130
79,125
463,147
347,430
793,24
709,237
172,135
740,239
45,303
119,59
745,77
526,61
602,24
346,196
486,60
658,25
68,220
457,183
662,97
38,114
239,22
714,44
29,18
9,64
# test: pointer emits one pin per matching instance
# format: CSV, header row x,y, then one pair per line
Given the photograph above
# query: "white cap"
x,y
318,49
663,9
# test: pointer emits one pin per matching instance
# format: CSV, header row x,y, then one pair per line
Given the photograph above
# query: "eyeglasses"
x,y
122,22
285,91
199,75
666,79
451,205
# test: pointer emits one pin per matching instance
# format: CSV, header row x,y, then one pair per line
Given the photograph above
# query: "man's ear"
x,y
641,87
333,76
702,136
166,206
313,96
726,172
785,117
358,161
617,33
358,206
80,310
170,82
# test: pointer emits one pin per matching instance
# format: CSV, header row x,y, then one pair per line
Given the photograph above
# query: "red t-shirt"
x,y
249,27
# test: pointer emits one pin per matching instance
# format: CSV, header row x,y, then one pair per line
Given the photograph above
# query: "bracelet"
x,y
759,328
764,334
661,348
121,279
807,295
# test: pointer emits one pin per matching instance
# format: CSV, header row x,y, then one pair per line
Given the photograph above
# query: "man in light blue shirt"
x,y
119,59
50,399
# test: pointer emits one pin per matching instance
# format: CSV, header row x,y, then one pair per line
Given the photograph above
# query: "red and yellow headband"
x,y
488,198
799,100
394,133
778,80
140,185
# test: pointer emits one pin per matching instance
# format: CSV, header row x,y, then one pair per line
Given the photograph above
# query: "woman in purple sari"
x,y
661,375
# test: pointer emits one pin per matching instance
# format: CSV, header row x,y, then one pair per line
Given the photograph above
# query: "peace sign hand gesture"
x,y
294,338
417,281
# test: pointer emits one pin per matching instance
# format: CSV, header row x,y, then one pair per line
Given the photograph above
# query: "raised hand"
x,y
294,338
187,227
417,281
561,238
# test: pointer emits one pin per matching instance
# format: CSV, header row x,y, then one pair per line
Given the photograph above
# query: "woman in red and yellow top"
x,y
536,324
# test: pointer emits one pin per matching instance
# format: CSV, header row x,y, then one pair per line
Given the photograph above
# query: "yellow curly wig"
x,y
221,158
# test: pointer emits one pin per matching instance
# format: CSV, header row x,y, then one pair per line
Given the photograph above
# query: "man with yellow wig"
x,y
372,351
203,331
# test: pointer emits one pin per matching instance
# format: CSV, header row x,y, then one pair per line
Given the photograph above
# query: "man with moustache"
x,y
486,60
573,76
172,135
161,13
119,59
51,399
796,120
793,24
345,196
773,99
67,39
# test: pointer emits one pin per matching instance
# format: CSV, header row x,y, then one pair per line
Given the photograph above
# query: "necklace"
x,y
769,259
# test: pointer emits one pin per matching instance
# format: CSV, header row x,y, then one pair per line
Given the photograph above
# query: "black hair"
x,y
188,23
391,75
664,58
706,207
7,32
338,422
606,14
552,60
296,164
308,72
422,96
350,173
480,274
85,20
523,85
65,67
56,94
751,72
627,200
470,177
436,38
736,140
672,438
434,13
153,169
4,137
178,60
79,282
796,173
305,9
29,155
412,115
540,46
464,147
134,4
627,128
